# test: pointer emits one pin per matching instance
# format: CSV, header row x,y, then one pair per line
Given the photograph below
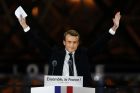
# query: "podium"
x,y
62,84
62,89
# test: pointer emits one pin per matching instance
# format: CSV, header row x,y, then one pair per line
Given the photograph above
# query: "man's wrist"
x,y
114,28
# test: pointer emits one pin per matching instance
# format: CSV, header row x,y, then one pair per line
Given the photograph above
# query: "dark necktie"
x,y
71,72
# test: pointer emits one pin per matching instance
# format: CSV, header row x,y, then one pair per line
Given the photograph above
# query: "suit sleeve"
x,y
35,40
101,42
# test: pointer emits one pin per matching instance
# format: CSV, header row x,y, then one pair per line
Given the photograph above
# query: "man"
x,y
60,58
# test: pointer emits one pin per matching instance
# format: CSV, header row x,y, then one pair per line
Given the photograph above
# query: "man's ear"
x,y
64,42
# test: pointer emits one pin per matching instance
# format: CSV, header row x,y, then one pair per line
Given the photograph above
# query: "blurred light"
x,y
97,77
35,11
89,3
99,72
75,1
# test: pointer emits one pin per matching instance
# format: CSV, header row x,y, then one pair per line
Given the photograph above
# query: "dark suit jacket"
x,y
81,62
81,56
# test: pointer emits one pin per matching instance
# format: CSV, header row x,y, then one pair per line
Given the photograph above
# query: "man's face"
x,y
71,42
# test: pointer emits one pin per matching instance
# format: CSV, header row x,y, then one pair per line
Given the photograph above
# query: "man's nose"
x,y
71,44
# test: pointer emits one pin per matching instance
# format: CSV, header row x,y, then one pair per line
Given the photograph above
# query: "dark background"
x,y
51,18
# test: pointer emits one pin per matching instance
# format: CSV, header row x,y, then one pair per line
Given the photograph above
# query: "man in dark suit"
x,y
59,59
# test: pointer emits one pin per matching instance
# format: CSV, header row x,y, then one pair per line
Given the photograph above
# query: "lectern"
x,y
63,84
62,89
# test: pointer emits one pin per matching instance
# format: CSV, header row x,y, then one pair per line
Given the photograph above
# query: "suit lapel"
x,y
77,61
61,61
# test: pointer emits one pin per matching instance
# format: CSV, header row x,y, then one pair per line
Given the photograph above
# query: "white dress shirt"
x,y
66,65
27,29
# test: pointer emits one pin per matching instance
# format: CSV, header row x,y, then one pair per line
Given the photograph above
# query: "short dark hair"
x,y
71,32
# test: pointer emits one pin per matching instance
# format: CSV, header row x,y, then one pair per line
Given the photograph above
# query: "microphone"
x,y
54,64
70,67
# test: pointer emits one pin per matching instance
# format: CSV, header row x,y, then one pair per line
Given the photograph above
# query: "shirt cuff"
x,y
27,29
111,32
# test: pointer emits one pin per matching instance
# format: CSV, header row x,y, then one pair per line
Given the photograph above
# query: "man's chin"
x,y
71,51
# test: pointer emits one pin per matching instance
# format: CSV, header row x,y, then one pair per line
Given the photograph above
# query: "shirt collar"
x,y
67,52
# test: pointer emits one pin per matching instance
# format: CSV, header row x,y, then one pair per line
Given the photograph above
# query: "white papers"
x,y
20,12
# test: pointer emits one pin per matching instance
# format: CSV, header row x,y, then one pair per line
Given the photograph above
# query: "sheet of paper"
x,y
19,11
